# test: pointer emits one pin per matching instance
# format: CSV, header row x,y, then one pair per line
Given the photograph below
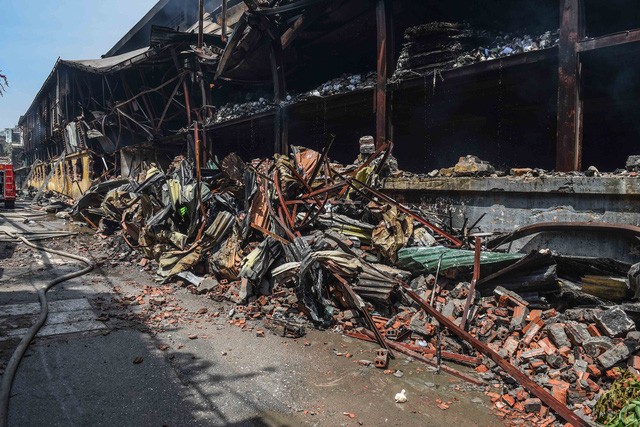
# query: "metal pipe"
x,y
200,23
472,288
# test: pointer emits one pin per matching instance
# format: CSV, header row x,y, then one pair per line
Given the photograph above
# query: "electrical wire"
x,y
16,357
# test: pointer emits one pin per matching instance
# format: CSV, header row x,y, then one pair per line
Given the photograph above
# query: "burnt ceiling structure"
x,y
548,84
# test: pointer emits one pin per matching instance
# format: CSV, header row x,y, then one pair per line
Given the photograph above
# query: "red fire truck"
x,y
7,184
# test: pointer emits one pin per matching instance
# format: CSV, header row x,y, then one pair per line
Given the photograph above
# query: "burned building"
x,y
386,169
544,86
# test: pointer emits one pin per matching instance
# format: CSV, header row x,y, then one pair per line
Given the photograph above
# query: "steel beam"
x,y
279,90
200,23
610,40
223,27
569,129
384,21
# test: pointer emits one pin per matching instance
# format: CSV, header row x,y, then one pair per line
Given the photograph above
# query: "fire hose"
x,y
16,357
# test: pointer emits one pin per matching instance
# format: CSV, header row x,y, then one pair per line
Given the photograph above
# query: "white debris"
x,y
401,397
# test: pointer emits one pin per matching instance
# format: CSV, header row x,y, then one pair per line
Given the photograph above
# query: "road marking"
x,y
54,306
62,328
65,317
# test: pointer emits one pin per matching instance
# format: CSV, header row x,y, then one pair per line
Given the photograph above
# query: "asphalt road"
x,y
99,361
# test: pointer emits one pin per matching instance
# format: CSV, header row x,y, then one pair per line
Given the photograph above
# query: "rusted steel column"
x,y
281,124
200,23
223,30
384,20
569,132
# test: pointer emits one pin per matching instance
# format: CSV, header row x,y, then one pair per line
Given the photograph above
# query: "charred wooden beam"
x,y
384,23
302,22
251,4
610,40
235,38
569,130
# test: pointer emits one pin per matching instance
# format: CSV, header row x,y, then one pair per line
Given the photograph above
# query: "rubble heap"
x,y
435,45
446,45
235,111
297,239
505,45
343,84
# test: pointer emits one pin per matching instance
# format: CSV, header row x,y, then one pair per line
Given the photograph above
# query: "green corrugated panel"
x,y
425,259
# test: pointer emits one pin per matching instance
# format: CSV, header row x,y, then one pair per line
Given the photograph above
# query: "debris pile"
x,y
298,240
342,84
570,354
435,45
446,45
506,45
230,111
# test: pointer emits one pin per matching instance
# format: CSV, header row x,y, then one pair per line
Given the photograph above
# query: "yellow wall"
x,y
73,177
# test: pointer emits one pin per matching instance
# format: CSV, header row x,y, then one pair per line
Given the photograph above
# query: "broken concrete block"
x,y
592,171
580,366
446,172
472,165
367,146
614,322
580,314
614,355
417,322
532,404
558,335
555,360
520,171
595,346
246,289
577,332
209,284
449,309
633,163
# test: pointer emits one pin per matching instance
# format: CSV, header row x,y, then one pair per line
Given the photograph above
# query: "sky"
x,y
35,33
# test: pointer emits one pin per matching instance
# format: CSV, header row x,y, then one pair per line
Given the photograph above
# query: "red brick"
x,y
593,330
560,393
522,395
547,346
634,362
593,386
481,369
536,364
534,314
519,407
508,399
531,330
593,370
544,411
564,351
612,373
493,396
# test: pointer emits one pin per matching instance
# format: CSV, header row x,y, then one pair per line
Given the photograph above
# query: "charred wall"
x,y
611,106
507,117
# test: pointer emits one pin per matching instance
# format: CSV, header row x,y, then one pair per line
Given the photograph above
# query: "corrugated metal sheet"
x,y
425,259
106,64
